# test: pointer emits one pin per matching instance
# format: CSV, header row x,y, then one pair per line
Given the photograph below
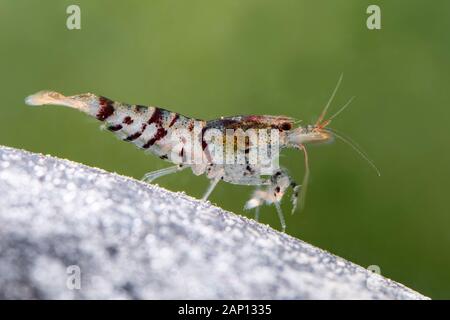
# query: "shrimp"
x,y
190,143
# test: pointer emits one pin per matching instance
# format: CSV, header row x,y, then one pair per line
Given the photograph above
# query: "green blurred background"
x,y
208,59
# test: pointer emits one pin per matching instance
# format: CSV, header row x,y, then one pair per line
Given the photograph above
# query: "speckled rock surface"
x,y
133,240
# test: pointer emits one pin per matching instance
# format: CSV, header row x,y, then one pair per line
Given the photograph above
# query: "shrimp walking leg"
x,y
273,194
305,179
280,216
257,213
150,176
211,187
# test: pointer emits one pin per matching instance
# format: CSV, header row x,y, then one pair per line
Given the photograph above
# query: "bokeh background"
x,y
209,59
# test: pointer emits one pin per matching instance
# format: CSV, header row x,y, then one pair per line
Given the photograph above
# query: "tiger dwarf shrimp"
x,y
153,129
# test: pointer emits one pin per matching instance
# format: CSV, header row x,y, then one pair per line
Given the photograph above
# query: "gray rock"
x,y
133,240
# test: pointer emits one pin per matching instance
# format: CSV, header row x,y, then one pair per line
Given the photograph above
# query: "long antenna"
x,y
324,112
355,147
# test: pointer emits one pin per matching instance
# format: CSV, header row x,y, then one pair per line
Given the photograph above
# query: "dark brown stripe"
x,y
106,108
175,118
127,120
136,135
156,117
160,133
116,127
204,144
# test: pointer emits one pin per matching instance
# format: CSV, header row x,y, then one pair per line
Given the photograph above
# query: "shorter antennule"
x,y
341,109
324,112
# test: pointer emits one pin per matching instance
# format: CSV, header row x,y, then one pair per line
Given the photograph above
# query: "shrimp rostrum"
x,y
241,150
